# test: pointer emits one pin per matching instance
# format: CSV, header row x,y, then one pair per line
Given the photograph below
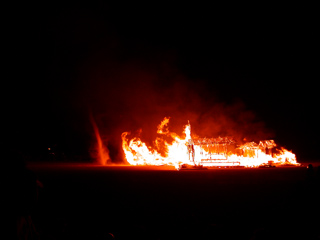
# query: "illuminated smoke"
x,y
128,96
102,152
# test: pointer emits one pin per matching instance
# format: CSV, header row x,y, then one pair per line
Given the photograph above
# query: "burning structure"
x,y
203,152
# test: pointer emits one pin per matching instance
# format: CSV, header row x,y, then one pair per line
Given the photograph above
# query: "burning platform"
x,y
198,152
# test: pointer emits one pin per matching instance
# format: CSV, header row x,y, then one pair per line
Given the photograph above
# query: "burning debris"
x,y
203,152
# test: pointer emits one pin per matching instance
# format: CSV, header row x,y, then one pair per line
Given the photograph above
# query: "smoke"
x,y
128,83
108,79
133,96
100,153
131,70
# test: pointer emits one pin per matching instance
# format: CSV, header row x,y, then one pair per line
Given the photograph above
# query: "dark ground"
x,y
89,202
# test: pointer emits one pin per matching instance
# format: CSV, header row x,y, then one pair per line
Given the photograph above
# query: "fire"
x,y
208,152
175,153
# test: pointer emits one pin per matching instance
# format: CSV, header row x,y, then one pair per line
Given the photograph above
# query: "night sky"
x,y
247,71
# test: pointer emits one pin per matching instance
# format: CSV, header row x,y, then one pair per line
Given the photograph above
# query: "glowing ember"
x,y
207,152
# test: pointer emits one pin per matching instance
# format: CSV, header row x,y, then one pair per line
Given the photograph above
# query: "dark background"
x,y
242,70
81,201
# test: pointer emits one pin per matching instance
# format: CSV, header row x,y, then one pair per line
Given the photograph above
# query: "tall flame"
x,y
175,153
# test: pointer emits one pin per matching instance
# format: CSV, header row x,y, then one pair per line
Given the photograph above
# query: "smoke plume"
x,y
135,96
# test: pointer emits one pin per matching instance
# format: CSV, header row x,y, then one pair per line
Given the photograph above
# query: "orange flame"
x,y
201,152
175,153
